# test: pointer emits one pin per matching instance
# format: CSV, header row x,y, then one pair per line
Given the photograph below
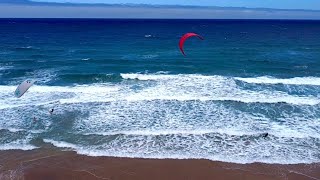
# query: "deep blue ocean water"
x,y
122,88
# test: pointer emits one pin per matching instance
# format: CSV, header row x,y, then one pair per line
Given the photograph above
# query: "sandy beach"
x,y
55,164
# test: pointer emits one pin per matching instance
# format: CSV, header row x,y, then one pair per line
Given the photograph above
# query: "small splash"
x,y
162,72
138,57
5,67
149,56
25,48
301,67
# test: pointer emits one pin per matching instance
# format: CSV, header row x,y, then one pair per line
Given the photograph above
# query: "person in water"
x,y
34,119
51,111
265,135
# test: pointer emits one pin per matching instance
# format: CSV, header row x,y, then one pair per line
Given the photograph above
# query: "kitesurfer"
x,y
51,111
265,135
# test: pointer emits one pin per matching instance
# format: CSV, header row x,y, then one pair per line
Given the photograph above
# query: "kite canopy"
x,y
23,87
184,38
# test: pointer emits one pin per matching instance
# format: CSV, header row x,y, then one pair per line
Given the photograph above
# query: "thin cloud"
x,y
60,11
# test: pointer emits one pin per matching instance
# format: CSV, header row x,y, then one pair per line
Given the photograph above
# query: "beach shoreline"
x,y
48,163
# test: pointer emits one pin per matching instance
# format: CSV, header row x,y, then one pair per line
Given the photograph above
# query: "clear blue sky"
x,y
282,4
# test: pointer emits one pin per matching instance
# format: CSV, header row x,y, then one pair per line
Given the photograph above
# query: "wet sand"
x,y
49,164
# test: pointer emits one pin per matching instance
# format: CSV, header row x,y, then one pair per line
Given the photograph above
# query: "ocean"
x,y
122,88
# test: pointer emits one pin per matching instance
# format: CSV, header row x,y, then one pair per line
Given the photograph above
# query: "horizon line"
x,y
133,5
186,19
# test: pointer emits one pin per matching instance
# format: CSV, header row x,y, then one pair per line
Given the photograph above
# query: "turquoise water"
x,y
122,88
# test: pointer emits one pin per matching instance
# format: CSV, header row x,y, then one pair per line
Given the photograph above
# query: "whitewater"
x,y
170,116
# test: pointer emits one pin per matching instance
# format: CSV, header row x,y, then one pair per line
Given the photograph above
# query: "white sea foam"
x,y
16,146
60,144
172,132
219,148
171,116
165,87
21,144
283,133
216,88
314,81
13,129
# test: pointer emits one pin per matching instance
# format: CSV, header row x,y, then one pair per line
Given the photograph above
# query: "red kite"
x,y
184,38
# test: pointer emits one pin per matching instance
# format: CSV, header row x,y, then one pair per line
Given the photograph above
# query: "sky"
x,y
279,4
214,9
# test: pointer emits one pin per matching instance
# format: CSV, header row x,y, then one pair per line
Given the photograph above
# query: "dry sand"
x,y
46,164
